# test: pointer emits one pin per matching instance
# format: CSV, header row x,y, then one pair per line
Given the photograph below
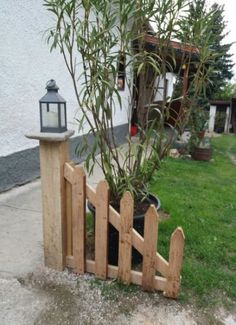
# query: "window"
x,y
121,72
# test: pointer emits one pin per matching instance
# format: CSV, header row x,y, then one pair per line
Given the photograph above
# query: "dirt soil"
x,y
48,297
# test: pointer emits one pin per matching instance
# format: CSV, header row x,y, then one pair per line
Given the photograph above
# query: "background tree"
x,y
227,91
221,66
204,27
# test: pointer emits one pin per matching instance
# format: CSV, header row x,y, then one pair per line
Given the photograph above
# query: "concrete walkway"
x,y
21,230
21,238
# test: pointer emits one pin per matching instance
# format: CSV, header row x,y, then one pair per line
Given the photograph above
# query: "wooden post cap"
x,y
51,137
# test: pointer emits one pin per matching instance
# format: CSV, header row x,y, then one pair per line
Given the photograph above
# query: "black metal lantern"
x,y
52,110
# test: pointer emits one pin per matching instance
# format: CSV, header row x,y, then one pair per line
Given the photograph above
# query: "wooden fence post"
x,y
78,219
54,152
175,263
150,248
125,237
101,230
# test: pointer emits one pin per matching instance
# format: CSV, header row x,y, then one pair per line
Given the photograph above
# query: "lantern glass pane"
x,y
45,121
63,115
50,115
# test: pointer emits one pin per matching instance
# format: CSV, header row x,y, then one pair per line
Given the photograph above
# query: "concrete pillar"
x,y
212,116
227,119
54,152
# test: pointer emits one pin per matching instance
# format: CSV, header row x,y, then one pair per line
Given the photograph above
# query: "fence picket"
x,y
125,238
76,193
175,263
150,247
101,230
78,219
68,218
69,214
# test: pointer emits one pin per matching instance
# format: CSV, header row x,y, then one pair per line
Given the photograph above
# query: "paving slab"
x,y
21,237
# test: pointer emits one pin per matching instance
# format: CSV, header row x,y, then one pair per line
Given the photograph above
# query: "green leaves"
x,y
92,35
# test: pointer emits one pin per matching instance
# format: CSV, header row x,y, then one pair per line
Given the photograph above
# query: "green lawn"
x,y
201,198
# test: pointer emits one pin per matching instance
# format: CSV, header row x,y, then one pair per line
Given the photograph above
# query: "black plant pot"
x,y
113,234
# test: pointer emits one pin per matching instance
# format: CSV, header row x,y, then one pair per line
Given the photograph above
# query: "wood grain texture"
x,y
69,244
114,218
53,155
91,194
175,263
68,218
136,277
149,248
78,219
162,265
125,238
101,230
69,172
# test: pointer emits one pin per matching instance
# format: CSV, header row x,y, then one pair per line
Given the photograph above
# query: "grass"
x,y
201,197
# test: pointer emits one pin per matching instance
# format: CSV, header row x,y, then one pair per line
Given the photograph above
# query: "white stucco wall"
x,y
212,115
25,66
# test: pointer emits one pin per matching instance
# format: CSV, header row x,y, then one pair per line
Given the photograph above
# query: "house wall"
x,y
212,115
212,118
26,65
171,77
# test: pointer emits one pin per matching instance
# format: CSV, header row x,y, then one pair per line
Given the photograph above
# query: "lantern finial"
x,y
51,85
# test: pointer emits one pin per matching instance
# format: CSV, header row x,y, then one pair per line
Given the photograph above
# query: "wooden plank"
x,y
114,218
69,243
70,261
78,219
136,277
175,263
150,247
162,265
101,230
137,241
69,172
68,218
91,194
125,238
52,159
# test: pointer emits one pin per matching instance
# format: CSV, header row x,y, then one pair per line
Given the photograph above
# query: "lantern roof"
x,y
52,95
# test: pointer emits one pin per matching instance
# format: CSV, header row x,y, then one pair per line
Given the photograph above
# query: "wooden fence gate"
x,y
77,191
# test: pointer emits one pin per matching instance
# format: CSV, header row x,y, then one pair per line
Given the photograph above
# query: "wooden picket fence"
x,y
77,191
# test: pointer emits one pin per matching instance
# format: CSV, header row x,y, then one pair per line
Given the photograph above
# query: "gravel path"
x,y
47,297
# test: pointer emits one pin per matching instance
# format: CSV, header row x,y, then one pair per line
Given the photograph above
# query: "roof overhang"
x,y
221,102
184,48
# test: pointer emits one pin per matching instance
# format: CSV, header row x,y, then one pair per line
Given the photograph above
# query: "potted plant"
x,y
200,149
199,145
103,42
198,122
